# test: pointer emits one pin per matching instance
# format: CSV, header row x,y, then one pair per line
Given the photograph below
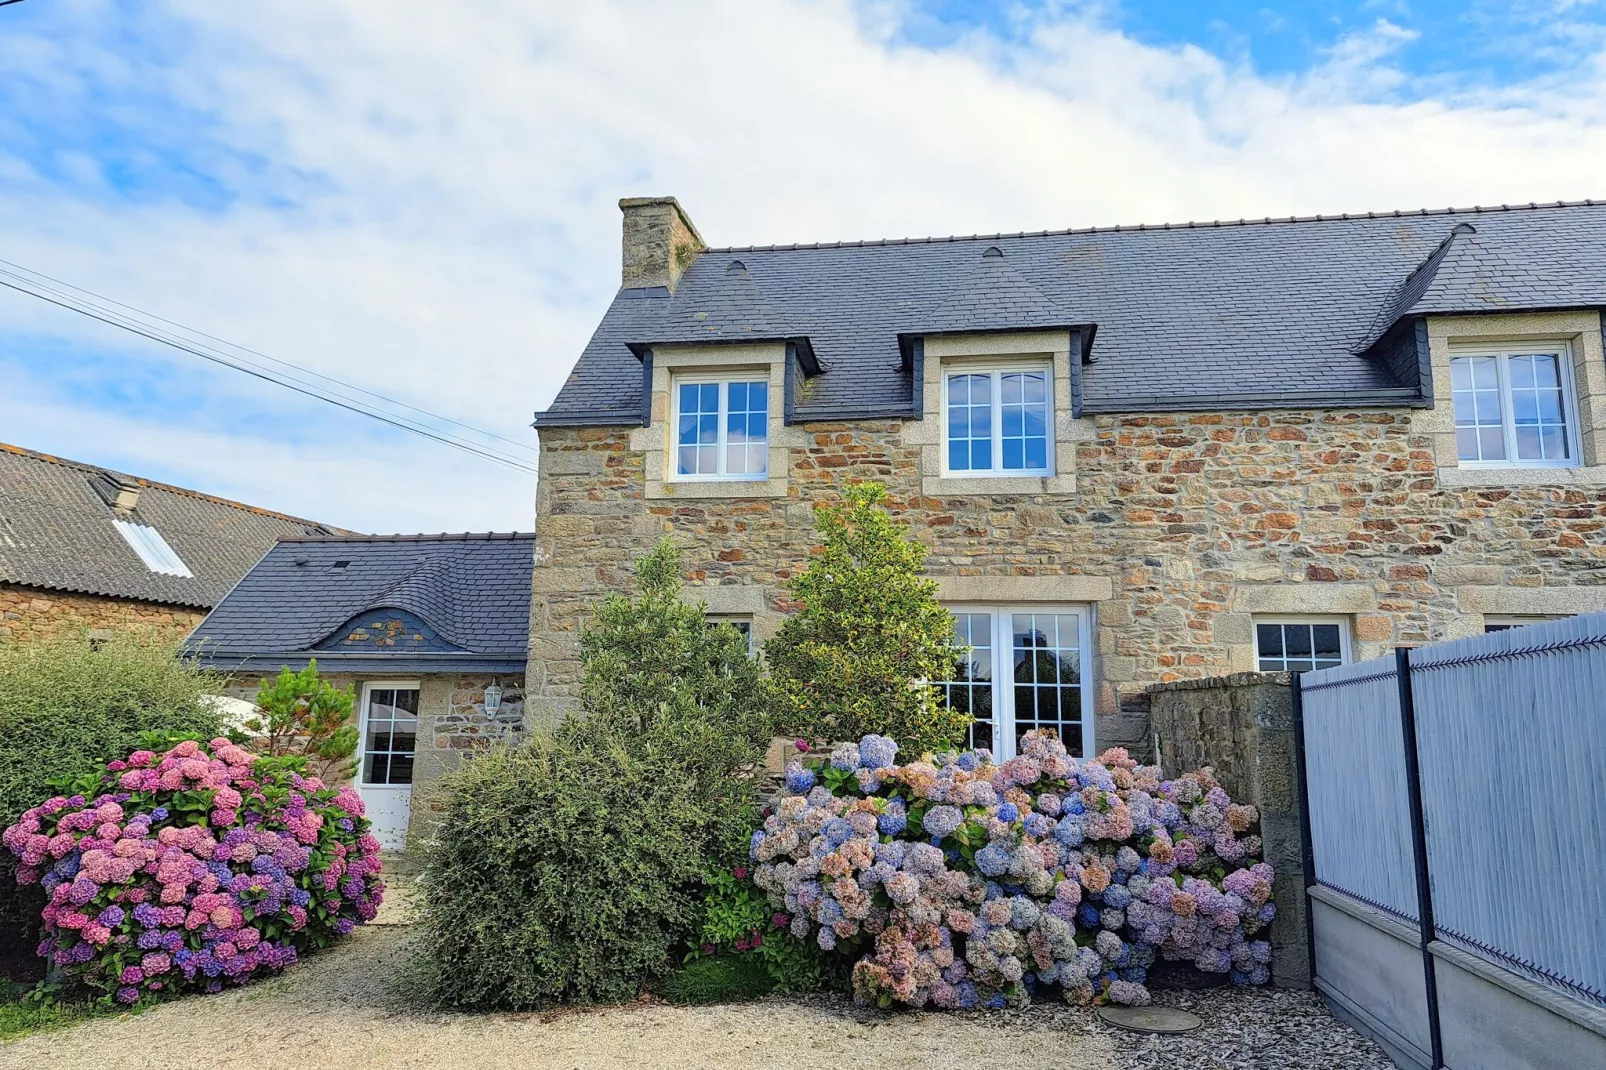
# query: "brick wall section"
x,y
1198,520
35,613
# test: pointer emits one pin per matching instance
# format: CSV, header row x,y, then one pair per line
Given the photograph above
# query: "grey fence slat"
x,y
1360,818
1512,741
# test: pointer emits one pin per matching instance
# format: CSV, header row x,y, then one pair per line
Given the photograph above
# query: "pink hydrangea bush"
x,y
202,866
958,883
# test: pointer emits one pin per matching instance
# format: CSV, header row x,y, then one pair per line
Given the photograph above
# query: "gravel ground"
x,y
342,1011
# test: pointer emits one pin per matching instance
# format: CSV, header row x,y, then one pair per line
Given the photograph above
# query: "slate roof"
x,y
473,589
1252,312
56,532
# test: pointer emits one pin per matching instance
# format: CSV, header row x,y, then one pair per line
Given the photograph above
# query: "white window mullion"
x,y
1508,409
997,380
720,468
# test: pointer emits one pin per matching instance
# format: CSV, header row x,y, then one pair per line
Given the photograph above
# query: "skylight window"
x,y
152,549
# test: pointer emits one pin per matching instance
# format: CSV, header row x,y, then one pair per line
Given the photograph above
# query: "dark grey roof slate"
x,y
1195,312
726,307
56,532
474,589
992,296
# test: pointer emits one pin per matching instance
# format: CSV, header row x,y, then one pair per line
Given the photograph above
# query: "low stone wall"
x,y
1242,726
28,613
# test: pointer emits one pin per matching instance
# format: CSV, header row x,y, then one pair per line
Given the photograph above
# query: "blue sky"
x,y
1447,43
420,198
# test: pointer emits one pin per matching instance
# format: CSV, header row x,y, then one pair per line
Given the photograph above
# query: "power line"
x,y
66,295
255,353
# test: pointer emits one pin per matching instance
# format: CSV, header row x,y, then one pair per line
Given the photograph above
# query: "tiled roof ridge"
x,y
1126,228
95,469
444,536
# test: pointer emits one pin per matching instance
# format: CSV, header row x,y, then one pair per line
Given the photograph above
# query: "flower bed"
x,y
959,883
195,868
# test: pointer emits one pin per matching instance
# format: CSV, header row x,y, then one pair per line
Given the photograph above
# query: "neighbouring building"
x,y
1136,454
84,548
431,631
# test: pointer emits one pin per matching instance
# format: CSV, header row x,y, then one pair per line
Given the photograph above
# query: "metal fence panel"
x,y
1360,822
1511,731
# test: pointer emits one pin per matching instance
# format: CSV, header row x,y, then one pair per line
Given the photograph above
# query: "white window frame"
x,y
1003,640
724,378
1562,349
1346,649
997,369
1507,621
368,687
736,620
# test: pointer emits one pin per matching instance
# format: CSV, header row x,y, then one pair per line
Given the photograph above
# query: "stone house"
x,y
84,548
431,631
1136,454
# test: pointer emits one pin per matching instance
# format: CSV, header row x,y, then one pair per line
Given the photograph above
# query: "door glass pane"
x,y
969,687
1046,656
390,736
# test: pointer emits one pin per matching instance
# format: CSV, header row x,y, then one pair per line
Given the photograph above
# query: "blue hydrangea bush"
x,y
955,882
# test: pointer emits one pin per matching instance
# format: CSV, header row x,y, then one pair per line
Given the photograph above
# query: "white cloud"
x,y
419,196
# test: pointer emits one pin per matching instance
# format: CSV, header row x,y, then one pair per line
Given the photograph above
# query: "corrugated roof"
x,y
56,532
1185,313
473,589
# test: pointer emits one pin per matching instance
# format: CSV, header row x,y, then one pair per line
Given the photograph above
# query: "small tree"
x,y
301,715
858,655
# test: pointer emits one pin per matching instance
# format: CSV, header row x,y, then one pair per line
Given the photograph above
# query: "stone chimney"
x,y
660,243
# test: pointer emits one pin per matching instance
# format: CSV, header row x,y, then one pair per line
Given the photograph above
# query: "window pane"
x,y
378,770
1297,640
1326,640
1491,444
686,461
1528,448
1270,639
1553,442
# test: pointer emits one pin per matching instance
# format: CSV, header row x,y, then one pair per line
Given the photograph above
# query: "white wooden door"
x,y
389,727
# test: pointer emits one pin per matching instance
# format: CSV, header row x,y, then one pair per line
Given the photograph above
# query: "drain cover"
x,y
1151,1019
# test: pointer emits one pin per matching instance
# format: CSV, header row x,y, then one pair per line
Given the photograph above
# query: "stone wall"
x,y
35,613
1181,528
1242,726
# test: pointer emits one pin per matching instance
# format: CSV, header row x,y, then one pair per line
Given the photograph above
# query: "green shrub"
x,y
571,868
67,705
850,661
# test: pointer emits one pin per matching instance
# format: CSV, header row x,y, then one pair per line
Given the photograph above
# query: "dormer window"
x,y
998,419
721,428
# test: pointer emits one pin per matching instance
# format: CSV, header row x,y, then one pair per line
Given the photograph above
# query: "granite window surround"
x,y
731,360
945,354
1578,335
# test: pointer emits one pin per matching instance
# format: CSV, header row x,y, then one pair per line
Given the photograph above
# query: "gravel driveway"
x,y
340,1012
